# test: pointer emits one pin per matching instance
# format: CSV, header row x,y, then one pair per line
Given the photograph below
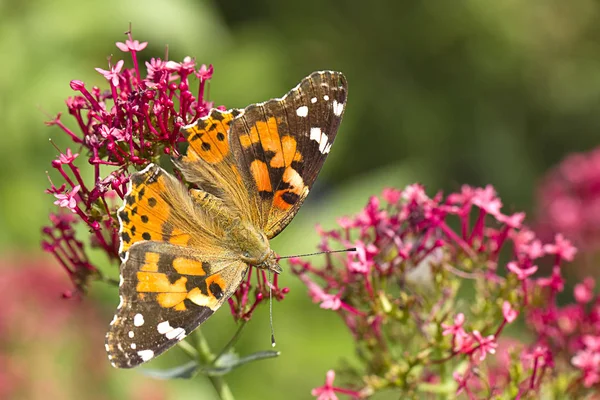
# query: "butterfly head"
x,y
271,263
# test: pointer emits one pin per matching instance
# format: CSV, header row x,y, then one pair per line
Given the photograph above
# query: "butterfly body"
x,y
185,251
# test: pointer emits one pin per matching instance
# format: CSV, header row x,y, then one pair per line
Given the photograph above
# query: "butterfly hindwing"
x,y
166,292
281,145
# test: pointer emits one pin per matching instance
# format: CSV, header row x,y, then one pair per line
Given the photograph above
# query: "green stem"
x,y
206,357
233,340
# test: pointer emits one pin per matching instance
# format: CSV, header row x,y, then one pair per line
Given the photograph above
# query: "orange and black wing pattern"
x,y
166,292
208,160
175,271
281,145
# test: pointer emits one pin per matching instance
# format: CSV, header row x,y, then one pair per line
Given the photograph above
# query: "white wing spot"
x,y
313,100
113,320
164,327
138,320
302,111
318,136
106,347
338,108
146,354
131,334
327,148
326,98
120,303
121,281
315,134
133,346
177,333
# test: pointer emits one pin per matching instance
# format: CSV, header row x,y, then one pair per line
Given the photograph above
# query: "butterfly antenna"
x,y
271,310
320,252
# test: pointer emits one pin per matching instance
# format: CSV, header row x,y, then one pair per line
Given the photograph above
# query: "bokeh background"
x,y
440,92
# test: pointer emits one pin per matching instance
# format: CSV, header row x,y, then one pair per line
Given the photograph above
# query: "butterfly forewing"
x,y
281,145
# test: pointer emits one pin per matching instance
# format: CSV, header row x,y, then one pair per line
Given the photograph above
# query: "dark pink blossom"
x,y
113,75
522,273
584,292
68,200
485,344
509,313
131,45
326,391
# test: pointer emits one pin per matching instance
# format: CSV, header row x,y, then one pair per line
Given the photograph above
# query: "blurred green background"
x,y
440,92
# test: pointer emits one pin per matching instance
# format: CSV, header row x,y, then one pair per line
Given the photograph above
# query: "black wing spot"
x,y
206,268
126,238
130,199
124,216
133,229
201,124
134,211
151,201
205,146
220,136
290,197
144,219
265,195
216,290
141,193
217,116
146,236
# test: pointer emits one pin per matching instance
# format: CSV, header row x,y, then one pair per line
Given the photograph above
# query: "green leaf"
x,y
229,361
185,371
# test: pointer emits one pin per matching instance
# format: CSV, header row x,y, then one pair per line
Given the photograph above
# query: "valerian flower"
x,y
119,131
420,335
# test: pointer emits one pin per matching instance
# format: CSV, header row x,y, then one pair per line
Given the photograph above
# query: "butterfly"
x,y
185,251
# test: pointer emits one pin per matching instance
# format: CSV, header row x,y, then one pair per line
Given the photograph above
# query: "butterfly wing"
x,y
177,267
209,162
166,292
281,145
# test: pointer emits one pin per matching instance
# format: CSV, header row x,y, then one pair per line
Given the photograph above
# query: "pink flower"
x,y
487,200
68,157
592,343
486,344
522,274
461,380
113,75
555,282
362,260
512,221
588,361
453,329
584,292
68,200
326,392
392,196
318,295
562,248
205,73
131,45
508,312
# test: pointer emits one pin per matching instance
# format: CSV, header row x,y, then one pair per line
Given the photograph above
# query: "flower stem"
x,y
206,357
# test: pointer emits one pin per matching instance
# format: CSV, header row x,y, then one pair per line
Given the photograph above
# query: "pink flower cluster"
x,y
121,129
569,201
399,294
